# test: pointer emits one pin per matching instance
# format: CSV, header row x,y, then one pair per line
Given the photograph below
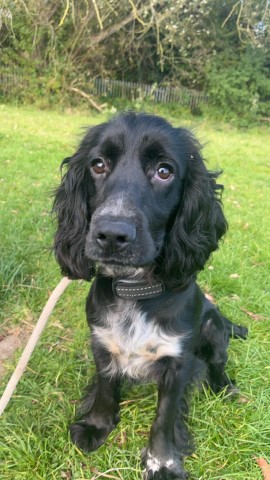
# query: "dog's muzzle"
x,y
119,234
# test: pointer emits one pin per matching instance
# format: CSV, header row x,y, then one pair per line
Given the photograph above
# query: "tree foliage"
x,y
195,43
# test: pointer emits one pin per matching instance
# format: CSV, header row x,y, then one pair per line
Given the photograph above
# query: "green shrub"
x,y
240,86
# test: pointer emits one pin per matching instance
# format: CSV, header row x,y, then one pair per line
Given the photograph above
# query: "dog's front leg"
x,y
168,436
100,409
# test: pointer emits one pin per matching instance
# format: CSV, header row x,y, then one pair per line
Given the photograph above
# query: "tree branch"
x,y
87,97
110,31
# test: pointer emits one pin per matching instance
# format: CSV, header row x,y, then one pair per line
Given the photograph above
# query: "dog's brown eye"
x,y
164,172
99,166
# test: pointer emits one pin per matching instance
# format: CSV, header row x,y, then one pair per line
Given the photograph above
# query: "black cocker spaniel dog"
x,y
138,210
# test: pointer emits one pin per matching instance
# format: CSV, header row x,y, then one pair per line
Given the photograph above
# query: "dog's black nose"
x,y
115,236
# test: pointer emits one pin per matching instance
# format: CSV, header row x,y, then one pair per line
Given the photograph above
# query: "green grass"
x,y
34,441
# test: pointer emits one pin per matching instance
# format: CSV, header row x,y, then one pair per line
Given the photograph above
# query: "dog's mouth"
x,y
117,270
129,262
126,267
140,253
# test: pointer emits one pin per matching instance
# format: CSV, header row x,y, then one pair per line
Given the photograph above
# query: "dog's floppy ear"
x,y
72,210
199,222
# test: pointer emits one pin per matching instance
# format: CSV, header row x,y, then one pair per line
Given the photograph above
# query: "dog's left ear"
x,y
199,222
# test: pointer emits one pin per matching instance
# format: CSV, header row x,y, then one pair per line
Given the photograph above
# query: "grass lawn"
x,y
34,440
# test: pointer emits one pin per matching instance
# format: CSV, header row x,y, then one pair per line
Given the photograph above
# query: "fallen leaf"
x,y
15,331
143,433
67,475
264,466
255,316
235,297
121,439
242,399
93,470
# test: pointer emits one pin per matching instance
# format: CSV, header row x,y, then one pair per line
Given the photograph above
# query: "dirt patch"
x,y
9,343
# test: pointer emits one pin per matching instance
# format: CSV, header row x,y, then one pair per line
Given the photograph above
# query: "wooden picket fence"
x,y
134,91
12,82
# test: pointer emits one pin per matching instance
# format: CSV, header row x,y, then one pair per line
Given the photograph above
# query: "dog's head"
x,y
137,195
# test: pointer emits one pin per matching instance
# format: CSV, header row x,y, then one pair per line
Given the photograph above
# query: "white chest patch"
x,y
133,342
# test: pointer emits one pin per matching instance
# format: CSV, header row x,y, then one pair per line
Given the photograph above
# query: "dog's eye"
x,y
164,172
99,166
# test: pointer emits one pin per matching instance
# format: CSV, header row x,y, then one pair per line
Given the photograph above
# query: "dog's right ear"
x,y
72,211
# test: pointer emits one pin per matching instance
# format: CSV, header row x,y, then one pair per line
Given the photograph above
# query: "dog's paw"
x,y
162,469
89,437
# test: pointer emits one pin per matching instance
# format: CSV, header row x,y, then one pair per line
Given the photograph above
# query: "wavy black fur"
x,y
138,202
